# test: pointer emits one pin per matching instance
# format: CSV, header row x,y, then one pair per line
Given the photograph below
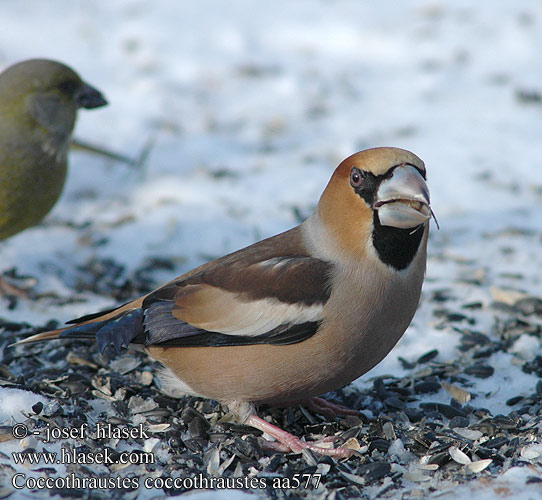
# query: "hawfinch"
x,y
295,315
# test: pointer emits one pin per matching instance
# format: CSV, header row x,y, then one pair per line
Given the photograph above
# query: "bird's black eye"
x,y
68,86
355,178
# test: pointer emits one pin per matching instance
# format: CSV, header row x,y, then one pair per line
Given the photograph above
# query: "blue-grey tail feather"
x,y
119,331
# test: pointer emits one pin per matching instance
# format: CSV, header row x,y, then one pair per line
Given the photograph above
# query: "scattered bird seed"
x,y
479,465
428,356
404,435
529,453
458,456
447,411
460,395
470,434
480,370
427,387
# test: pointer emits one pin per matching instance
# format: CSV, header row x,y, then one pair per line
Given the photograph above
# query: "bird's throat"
x,y
396,247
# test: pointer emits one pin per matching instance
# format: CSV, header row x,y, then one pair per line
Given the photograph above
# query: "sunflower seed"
x,y
460,395
458,456
479,465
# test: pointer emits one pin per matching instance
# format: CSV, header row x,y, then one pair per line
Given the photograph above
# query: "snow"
x,y
249,109
504,486
15,401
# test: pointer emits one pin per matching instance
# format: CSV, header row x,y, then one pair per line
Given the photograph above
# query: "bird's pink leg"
x,y
293,443
329,409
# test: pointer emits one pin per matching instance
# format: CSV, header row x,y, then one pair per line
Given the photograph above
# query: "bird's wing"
x,y
274,301
278,300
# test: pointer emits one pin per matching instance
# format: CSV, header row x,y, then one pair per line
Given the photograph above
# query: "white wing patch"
x,y
217,310
260,316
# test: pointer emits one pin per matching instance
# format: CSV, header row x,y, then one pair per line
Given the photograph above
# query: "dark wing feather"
x,y
89,317
286,336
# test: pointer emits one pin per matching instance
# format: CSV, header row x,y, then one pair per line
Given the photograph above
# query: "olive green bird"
x,y
39,99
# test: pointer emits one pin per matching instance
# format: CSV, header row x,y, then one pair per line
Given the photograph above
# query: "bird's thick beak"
x,y
402,201
88,97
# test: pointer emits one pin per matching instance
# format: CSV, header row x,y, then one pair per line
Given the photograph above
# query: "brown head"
x,y
378,197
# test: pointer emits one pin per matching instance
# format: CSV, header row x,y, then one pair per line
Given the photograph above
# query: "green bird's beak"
x,y
88,97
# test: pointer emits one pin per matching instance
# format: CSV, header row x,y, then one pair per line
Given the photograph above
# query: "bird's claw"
x,y
287,442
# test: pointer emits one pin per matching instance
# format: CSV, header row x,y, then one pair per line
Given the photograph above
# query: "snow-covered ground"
x,y
248,107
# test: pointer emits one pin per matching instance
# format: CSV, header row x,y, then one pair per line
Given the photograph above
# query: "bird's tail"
x,y
120,327
41,337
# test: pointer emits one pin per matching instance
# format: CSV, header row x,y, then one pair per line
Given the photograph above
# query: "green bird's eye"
x,y
68,86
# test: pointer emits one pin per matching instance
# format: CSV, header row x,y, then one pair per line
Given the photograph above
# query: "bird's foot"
x,y
287,442
329,409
